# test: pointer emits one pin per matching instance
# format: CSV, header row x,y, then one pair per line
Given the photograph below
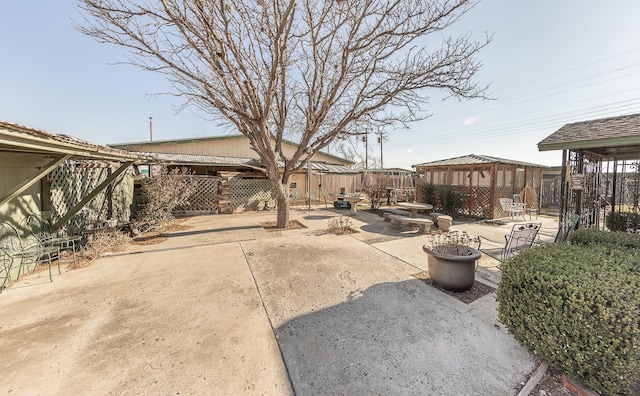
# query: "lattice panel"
x,y
70,183
247,192
476,202
501,192
550,195
205,198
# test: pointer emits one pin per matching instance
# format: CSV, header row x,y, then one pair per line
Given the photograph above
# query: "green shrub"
x,y
578,309
451,201
594,236
621,221
428,191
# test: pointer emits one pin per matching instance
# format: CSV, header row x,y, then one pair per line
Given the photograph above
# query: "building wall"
x,y
15,168
237,147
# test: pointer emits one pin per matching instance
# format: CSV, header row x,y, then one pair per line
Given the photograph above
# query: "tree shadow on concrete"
x,y
400,338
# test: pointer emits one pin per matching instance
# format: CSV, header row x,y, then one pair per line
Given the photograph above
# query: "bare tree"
x,y
307,70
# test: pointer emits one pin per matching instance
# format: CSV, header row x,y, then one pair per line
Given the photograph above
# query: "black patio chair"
x,y
522,236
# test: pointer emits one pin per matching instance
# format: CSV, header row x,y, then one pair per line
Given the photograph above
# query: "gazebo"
x,y
600,170
483,180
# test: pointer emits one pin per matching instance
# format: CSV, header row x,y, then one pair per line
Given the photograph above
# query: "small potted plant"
x,y
452,259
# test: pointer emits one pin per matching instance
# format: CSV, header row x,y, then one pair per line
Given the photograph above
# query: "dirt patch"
x,y
149,240
551,385
158,236
273,226
381,239
478,289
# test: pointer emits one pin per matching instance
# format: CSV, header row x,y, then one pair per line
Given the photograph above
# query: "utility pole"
x,y
366,150
151,129
380,141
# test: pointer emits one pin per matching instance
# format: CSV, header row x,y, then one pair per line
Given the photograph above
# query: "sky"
x,y
551,62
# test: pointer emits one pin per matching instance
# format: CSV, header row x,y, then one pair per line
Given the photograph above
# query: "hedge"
x,y
593,236
578,309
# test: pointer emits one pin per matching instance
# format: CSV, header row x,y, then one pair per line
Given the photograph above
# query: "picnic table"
x,y
414,207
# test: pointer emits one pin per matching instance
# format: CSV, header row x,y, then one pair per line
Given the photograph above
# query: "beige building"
x,y
241,177
233,146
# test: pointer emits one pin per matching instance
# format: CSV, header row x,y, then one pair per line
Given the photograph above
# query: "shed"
x,y
483,180
600,169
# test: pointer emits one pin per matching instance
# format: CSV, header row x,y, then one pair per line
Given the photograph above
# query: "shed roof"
x,y
213,160
207,139
475,159
612,136
20,139
331,168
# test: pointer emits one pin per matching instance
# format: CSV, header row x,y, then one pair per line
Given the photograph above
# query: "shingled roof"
x,y
474,159
612,136
18,138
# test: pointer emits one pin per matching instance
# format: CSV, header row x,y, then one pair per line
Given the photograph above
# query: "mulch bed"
x,y
273,225
478,289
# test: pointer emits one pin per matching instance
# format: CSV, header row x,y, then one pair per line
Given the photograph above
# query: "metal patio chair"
x,y
513,208
23,251
41,229
522,236
567,226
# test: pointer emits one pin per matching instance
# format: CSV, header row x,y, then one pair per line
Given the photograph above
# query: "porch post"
x,y
563,188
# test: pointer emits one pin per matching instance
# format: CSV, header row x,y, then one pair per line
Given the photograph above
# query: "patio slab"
x,y
226,307
350,319
167,321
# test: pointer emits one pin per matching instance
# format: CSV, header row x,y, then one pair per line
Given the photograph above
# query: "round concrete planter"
x,y
455,273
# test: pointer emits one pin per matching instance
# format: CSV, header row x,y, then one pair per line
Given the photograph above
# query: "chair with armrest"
x,y
513,208
40,227
566,227
522,236
23,252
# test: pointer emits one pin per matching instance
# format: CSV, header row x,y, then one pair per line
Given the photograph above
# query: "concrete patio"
x,y
226,307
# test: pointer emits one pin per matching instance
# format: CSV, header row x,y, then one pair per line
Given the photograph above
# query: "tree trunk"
x,y
280,187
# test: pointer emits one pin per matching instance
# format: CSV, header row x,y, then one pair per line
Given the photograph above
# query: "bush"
x,y
163,194
451,201
594,236
621,221
104,240
340,225
577,309
376,189
428,192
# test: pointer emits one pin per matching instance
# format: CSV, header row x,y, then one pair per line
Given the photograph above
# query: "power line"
x,y
518,128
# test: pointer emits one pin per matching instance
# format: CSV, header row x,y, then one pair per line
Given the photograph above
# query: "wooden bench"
x,y
397,220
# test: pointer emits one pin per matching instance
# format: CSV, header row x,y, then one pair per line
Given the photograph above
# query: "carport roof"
x,y
209,160
20,139
611,137
214,160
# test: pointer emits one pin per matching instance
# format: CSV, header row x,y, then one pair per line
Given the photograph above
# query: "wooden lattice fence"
x,y
72,181
246,193
205,198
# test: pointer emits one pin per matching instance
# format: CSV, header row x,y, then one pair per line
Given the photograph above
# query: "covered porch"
x,y
600,171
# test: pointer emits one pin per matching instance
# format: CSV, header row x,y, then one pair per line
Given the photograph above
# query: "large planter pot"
x,y
455,273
